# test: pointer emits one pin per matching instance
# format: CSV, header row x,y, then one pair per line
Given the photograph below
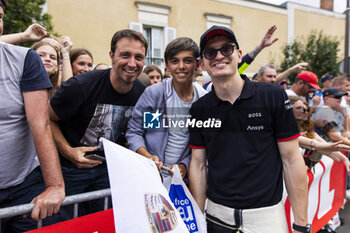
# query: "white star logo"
x,y
156,115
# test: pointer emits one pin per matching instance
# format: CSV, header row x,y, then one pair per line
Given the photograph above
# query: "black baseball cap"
x,y
216,31
333,91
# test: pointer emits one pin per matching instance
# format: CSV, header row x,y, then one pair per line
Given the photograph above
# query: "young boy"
x,y
167,142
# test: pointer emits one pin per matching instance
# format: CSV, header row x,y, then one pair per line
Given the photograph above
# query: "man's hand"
x,y
299,67
267,39
48,202
34,32
76,156
183,169
158,163
316,100
327,148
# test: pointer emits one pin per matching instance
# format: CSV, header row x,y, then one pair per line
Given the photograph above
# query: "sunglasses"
x,y
304,109
225,50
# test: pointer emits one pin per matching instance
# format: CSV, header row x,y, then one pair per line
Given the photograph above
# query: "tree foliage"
x,y
318,49
19,14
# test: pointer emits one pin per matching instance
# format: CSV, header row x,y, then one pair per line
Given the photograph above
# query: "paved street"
x,y
345,214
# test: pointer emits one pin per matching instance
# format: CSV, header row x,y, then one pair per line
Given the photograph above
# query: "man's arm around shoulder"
x,y
48,202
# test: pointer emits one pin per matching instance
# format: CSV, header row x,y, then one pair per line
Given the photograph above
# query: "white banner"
x,y
185,203
140,201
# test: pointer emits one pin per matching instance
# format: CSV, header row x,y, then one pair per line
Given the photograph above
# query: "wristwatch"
x,y
305,229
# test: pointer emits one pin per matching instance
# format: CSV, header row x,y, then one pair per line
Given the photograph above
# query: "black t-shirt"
x,y
244,163
89,108
34,74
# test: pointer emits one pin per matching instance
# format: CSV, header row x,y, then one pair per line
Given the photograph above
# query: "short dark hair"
x,y
3,3
179,45
128,33
75,53
148,69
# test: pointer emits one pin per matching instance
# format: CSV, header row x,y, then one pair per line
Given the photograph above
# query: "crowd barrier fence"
x,y
69,200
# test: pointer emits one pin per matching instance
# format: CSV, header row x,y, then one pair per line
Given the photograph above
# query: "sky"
x,y
339,5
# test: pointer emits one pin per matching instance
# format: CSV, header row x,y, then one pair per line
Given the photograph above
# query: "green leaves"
x,y
318,49
20,14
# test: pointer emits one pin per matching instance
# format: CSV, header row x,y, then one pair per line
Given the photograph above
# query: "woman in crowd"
x,y
50,58
81,61
314,144
154,73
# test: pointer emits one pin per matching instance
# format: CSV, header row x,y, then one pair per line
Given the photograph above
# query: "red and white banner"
x,y
326,183
101,222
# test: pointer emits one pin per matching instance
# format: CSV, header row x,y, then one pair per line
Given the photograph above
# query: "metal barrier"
x,y
69,200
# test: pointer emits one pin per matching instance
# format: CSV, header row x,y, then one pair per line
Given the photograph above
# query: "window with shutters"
x,y
154,38
153,23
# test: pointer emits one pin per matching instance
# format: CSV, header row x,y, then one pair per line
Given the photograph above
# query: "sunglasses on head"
x,y
226,50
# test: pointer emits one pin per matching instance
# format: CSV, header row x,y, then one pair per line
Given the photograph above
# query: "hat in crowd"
x,y
310,78
327,77
333,91
216,31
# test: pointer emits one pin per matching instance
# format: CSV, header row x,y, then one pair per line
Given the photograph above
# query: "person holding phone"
x,y
93,105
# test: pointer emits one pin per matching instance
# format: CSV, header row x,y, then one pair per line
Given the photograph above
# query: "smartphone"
x,y
96,155
331,124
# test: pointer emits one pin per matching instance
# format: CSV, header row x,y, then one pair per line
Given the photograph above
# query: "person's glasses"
x,y
303,109
225,50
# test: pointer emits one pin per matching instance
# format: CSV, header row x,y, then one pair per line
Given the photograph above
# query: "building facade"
x,y
91,24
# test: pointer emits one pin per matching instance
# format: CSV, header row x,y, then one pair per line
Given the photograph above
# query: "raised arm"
x,y
266,41
295,177
198,176
49,201
66,46
34,32
284,75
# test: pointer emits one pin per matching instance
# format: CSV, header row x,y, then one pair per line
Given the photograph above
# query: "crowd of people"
x,y
55,106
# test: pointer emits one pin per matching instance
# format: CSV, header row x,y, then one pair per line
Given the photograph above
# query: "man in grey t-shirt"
x,y
334,129
25,138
